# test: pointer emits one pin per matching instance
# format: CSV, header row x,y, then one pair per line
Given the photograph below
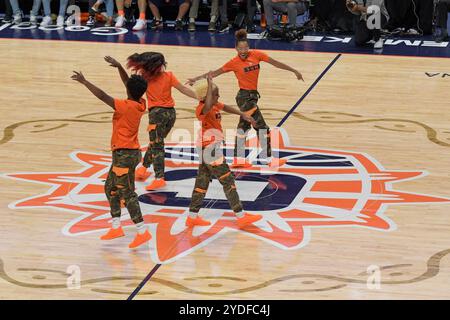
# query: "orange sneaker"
x,y
142,174
248,219
140,239
277,162
191,222
112,234
240,163
156,184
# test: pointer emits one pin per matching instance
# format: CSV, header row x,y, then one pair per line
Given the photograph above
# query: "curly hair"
x,y
148,63
137,86
241,36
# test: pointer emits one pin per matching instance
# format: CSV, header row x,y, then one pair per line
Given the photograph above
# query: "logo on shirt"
x,y
315,188
252,68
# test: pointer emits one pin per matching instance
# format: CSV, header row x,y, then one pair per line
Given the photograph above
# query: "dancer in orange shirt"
x,y
246,66
161,106
126,155
212,162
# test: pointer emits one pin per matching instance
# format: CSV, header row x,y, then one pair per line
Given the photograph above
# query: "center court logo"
x,y
315,188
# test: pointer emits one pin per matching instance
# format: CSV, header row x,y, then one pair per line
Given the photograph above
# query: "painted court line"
x,y
309,90
156,267
142,284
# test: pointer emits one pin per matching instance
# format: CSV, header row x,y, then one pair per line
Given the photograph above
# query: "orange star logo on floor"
x,y
312,188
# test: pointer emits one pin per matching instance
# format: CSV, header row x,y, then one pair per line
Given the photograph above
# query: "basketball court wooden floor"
x,y
360,211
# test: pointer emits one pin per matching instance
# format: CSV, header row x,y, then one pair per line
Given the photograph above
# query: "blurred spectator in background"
x,y
193,13
365,31
223,13
442,9
183,7
94,7
35,12
141,23
62,12
290,7
17,13
331,15
410,16
251,12
8,17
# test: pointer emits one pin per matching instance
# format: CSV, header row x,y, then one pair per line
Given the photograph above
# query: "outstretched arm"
x,y
233,110
122,72
209,98
78,76
283,66
215,73
186,91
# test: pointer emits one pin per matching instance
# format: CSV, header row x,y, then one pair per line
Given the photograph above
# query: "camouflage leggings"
x,y
219,169
247,100
161,121
120,183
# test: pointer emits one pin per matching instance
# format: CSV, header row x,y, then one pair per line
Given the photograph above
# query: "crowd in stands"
x,y
405,17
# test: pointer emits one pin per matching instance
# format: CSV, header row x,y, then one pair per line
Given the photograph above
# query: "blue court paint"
x,y
313,42
269,196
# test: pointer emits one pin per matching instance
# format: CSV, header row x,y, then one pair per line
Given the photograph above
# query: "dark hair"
x,y
241,35
136,86
148,63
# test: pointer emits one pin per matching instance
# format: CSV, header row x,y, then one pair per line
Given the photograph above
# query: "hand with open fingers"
x,y
112,62
78,76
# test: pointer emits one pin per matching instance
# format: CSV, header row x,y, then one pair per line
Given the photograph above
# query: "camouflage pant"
x,y
247,100
120,183
216,168
161,121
